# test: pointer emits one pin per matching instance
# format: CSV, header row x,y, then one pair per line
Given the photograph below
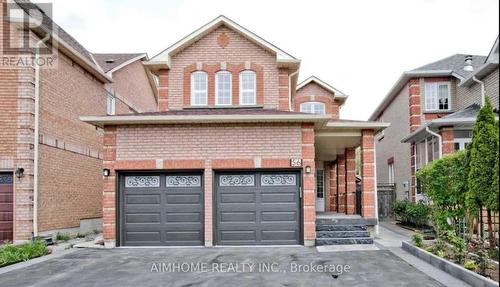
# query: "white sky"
x,y
360,47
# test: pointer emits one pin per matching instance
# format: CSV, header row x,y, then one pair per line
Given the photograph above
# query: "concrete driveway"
x,y
286,266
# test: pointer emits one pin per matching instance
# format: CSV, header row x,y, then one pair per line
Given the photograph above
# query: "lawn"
x,y
10,253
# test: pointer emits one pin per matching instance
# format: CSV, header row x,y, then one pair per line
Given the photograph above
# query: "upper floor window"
x,y
437,96
199,88
110,104
247,88
313,108
223,88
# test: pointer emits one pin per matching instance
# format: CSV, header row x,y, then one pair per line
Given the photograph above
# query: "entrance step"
x,y
342,234
342,230
342,241
331,227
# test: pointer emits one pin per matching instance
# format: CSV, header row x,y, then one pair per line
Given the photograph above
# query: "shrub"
x,y
62,237
459,245
414,214
470,265
10,254
440,253
417,239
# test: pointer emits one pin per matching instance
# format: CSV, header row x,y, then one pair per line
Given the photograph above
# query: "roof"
x,y
113,62
313,79
490,64
451,66
163,58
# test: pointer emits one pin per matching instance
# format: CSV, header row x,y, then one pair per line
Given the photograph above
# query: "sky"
x,y
360,47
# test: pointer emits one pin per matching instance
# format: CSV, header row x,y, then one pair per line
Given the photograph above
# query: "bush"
x,y
470,265
417,239
441,253
10,254
410,213
62,237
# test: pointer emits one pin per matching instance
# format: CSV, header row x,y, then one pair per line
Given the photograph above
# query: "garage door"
x,y
161,209
6,207
258,208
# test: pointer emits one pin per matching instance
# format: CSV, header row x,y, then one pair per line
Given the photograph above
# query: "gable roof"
x,y
450,66
313,79
163,58
490,64
114,62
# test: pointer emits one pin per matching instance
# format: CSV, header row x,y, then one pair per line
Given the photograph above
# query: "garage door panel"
x,y
279,216
183,198
240,235
182,236
184,217
237,197
273,235
143,199
143,218
237,216
279,197
143,236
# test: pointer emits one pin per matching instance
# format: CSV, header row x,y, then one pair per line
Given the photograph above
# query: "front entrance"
x,y
6,207
161,209
257,208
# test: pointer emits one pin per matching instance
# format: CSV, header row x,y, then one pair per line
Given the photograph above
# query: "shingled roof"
x,y
109,62
455,63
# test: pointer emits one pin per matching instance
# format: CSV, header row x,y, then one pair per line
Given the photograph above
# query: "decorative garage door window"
x,y
6,179
183,181
142,181
237,180
278,179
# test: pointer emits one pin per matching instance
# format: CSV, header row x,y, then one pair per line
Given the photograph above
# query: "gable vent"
x,y
110,61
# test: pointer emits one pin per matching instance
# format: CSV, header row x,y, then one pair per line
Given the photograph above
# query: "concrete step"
x,y
346,221
330,227
342,234
343,241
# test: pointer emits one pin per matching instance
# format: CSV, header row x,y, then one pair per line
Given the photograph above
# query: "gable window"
x,y
391,172
110,104
247,88
223,88
313,108
437,96
199,88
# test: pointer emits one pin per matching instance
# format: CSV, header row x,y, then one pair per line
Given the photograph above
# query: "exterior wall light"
x,y
308,169
19,172
106,172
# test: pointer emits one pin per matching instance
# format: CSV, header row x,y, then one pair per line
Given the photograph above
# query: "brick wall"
x,y
368,174
447,137
350,178
315,93
414,104
239,51
341,183
332,168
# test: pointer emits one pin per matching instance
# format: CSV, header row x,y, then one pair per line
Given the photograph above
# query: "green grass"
x,y
10,254
62,237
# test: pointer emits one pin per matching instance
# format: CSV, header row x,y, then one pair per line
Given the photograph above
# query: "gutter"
x,y
482,89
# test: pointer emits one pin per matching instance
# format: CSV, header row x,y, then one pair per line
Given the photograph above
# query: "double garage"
x,y
249,208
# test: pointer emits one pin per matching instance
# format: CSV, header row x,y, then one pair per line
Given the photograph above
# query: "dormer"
x,y
316,96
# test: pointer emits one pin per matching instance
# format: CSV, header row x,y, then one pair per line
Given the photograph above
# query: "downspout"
x,y
483,100
375,185
440,141
290,89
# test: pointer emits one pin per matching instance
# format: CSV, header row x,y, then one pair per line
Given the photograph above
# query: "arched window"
x,y
247,88
199,88
313,108
223,88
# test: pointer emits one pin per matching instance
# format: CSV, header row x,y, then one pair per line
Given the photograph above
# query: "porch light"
x,y
19,172
308,169
106,172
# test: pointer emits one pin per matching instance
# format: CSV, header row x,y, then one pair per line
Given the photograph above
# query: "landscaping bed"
x,y
10,253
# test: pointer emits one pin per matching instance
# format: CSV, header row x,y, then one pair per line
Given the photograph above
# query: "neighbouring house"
x,y
432,111
51,162
239,153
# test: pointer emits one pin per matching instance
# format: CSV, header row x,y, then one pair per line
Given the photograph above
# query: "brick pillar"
x,y
368,174
109,188
413,179
350,159
283,102
309,185
447,138
208,175
414,104
333,186
163,90
341,175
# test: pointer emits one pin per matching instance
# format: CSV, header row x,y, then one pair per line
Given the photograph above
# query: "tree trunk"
x,y
491,233
481,229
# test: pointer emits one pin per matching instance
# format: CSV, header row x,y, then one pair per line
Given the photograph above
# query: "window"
x,y
199,88
247,88
313,108
223,88
391,173
437,96
110,104
320,183
461,143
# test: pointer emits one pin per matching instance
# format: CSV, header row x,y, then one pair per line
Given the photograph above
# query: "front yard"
x,y
10,254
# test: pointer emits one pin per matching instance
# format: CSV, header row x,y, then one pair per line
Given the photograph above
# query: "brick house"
x,y
432,111
51,162
238,153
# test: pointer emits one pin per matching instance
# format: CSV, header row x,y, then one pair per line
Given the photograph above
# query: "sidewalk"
x,y
390,237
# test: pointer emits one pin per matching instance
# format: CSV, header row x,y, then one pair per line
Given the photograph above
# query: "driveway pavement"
x,y
219,267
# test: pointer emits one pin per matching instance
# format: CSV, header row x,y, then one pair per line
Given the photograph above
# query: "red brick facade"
x,y
368,174
312,92
447,137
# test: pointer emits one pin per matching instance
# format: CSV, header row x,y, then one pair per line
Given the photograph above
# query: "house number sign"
x,y
296,162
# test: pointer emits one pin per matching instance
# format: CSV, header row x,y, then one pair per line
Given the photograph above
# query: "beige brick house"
x,y
51,162
238,152
432,110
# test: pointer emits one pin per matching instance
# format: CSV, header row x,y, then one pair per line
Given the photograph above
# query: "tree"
x,y
482,158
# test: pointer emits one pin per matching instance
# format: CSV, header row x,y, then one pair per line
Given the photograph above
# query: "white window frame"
x,y
254,88
217,100
313,110
390,167
434,97
461,142
194,92
322,191
110,104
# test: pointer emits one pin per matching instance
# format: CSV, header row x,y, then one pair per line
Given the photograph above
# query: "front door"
x,y
6,207
320,190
